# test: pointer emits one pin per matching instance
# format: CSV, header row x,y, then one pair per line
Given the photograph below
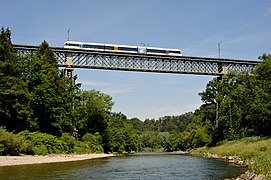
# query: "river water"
x,y
151,166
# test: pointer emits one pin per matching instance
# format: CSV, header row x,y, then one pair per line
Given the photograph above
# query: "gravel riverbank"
x,y
21,160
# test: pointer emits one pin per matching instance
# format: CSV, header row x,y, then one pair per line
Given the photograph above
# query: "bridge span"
x,y
73,58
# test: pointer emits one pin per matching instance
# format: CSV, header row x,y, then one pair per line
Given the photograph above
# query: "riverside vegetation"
x,y
40,109
252,151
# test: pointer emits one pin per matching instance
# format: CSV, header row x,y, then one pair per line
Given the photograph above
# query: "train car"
x,y
122,48
164,51
84,45
127,49
110,47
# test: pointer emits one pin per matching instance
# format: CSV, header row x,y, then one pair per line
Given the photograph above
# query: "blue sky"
x,y
194,26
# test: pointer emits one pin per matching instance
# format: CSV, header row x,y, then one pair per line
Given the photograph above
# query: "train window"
x,y
69,44
109,47
127,49
175,51
92,46
156,51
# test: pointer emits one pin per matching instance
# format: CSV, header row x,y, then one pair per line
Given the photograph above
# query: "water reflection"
x,y
50,170
139,166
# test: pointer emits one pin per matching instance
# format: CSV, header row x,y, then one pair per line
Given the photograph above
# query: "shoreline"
x,y
52,158
6,161
234,161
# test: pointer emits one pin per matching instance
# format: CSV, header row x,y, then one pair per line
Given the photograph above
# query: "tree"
x,y
211,99
93,112
120,135
14,95
52,94
261,104
137,125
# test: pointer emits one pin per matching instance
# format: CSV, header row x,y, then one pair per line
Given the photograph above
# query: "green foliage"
x,y
14,96
234,107
151,139
10,144
68,141
82,148
255,150
137,125
94,142
35,96
164,124
33,93
195,136
42,143
240,104
120,135
173,133
92,112
52,94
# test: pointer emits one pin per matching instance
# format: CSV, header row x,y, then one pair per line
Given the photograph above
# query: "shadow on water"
x,y
135,166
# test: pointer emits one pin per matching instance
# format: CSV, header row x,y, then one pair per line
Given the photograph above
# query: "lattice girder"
x,y
143,62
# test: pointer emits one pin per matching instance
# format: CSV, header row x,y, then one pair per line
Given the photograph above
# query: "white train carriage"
x,y
122,48
84,45
163,51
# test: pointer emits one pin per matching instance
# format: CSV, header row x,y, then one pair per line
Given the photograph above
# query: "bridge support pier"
x,y
223,68
69,70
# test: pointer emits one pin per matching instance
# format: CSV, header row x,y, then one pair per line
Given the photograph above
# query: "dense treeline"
x,y
243,103
163,134
43,108
234,107
48,113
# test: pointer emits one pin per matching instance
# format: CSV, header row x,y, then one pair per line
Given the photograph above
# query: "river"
x,y
151,166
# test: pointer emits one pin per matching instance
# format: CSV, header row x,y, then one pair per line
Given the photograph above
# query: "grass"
x,y
256,150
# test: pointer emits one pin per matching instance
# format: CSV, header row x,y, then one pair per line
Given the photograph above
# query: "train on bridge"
x,y
122,48
93,57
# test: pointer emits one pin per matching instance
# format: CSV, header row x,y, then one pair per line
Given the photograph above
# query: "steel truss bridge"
x,y
70,59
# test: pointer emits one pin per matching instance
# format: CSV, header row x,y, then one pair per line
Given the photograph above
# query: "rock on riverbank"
x,y
234,160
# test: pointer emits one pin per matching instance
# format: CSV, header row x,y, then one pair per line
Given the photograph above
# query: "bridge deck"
x,y
144,62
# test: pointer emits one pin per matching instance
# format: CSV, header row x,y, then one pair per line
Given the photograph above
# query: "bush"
x,y
81,148
10,144
69,142
40,150
42,143
94,142
36,143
